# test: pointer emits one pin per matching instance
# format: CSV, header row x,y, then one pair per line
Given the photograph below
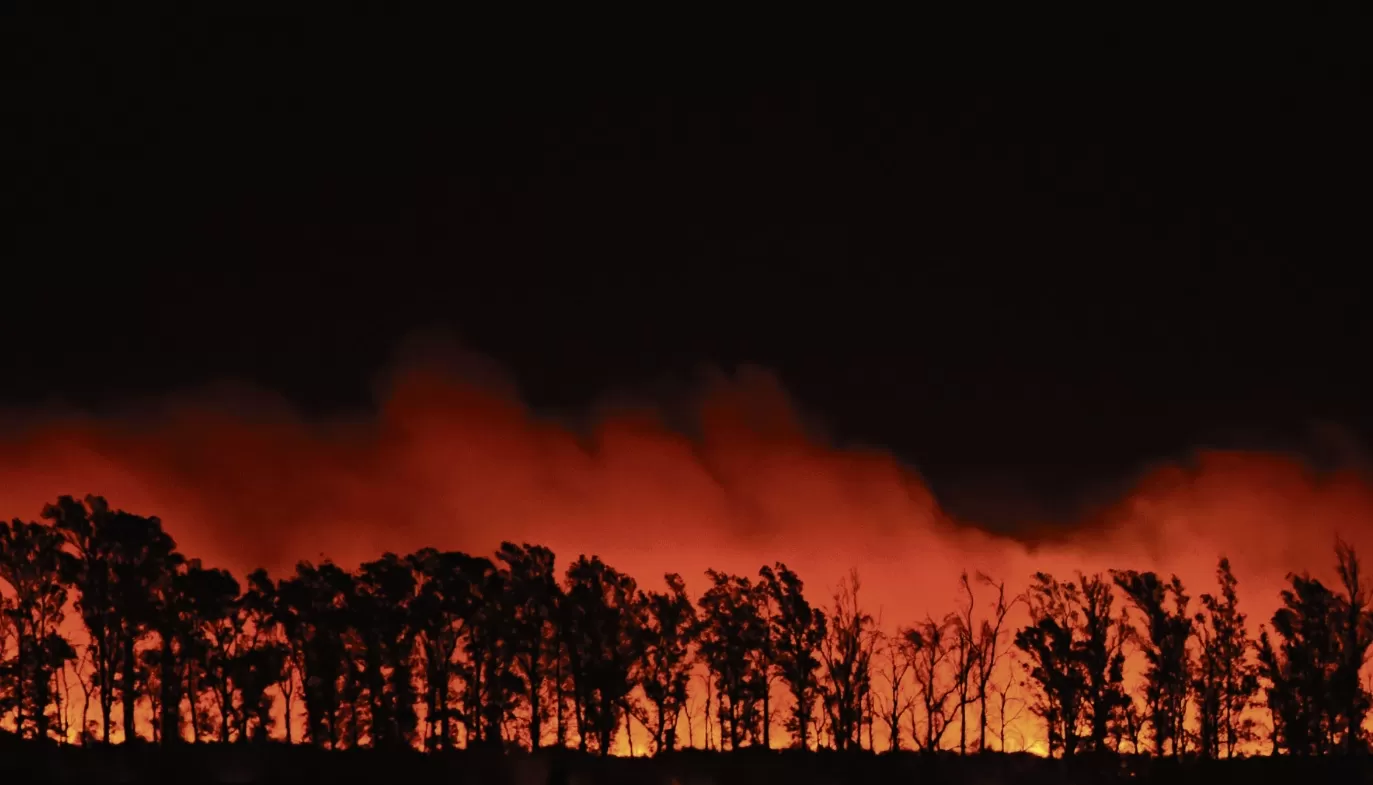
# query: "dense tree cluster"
x,y
105,620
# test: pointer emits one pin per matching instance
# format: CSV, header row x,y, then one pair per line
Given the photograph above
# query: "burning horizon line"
x,y
451,457
1031,741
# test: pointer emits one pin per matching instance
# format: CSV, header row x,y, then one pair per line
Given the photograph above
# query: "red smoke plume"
x,y
452,458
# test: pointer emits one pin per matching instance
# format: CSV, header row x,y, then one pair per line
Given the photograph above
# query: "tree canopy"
x,y
110,632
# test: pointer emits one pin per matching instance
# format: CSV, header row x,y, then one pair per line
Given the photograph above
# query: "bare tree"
x,y
706,688
965,659
63,693
691,707
989,652
847,654
1004,702
931,645
85,678
895,701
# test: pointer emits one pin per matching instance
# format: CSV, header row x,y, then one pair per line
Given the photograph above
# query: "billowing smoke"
x,y
450,457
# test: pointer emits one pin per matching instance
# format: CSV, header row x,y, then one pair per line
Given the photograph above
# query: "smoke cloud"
x,y
733,478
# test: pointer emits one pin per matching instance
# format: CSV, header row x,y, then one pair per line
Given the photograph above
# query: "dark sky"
x,y
1047,283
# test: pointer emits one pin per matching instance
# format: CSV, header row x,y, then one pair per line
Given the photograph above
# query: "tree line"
x,y
443,649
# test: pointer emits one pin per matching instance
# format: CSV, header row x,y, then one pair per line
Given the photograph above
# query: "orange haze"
x,y
452,458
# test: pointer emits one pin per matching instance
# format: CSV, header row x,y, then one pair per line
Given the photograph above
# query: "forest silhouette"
x,y
109,633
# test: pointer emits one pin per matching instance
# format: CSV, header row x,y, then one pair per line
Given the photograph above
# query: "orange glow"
x,y
453,459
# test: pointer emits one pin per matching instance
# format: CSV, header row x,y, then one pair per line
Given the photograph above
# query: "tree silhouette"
x,y
219,628
1004,702
142,555
385,588
894,701
847,654
1314,695
603,627
1299,669
119,559
447,599
966,655
1356,636
311,609
9,670
989,650
664,672
765,652
929,647
83,527
1225,681
731,630
1167,629
445,649
1055,664
168,664
262,659
195,602
798,629
1100,657
486,670
533,611
33,564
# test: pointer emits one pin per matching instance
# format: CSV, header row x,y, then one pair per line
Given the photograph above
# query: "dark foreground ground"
x,y
24,762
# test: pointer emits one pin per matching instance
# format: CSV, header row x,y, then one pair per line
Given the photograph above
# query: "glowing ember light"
x,y
458,465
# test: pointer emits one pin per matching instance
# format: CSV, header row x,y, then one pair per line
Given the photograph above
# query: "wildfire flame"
x,y
455,460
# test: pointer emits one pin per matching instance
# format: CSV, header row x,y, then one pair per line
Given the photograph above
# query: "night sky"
x,y
1028,290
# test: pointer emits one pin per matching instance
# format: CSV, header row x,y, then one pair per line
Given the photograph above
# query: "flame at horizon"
x,y
452,458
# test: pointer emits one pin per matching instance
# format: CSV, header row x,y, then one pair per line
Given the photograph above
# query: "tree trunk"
x,y
449,727
608,727
963,725
129,694
287,694
982,717
872,743
560,698
710,736
105,676
42,693
224,716
535,705
767,716
193,694
432,720
85,706
19,678
662,728
580,710
170,699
